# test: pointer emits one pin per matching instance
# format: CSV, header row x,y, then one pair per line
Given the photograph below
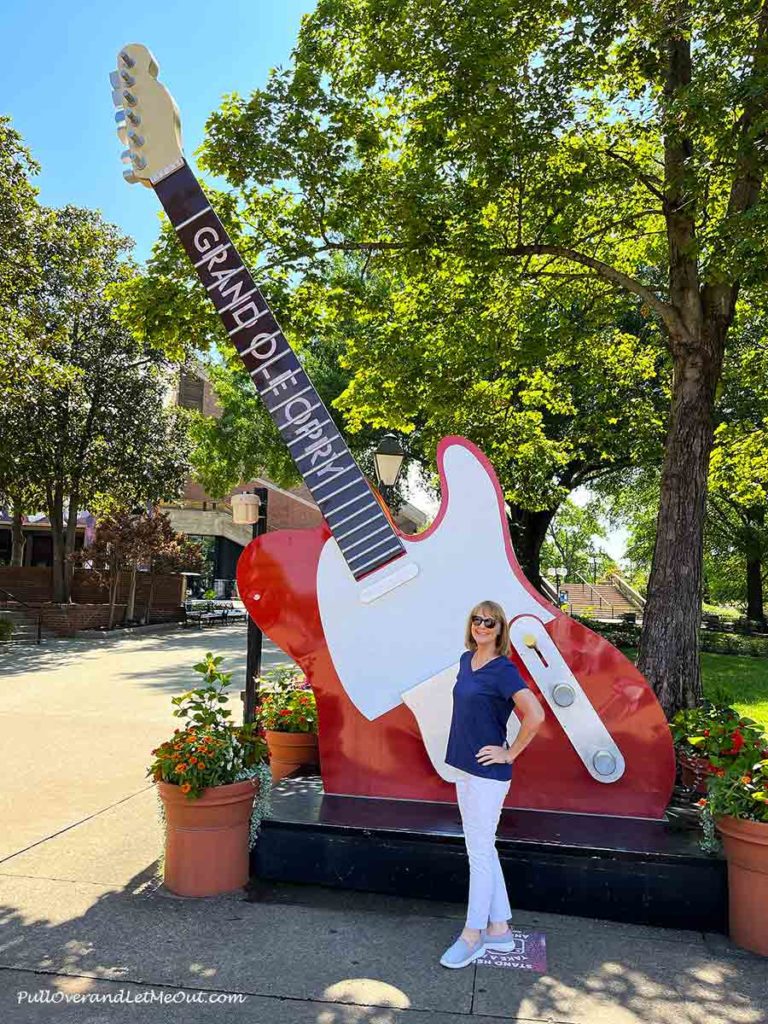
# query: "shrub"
x,y
627,634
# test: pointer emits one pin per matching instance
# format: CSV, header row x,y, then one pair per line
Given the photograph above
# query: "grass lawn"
x,y
741,682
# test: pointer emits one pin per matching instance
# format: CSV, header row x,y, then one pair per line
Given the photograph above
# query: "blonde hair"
x,y
489,608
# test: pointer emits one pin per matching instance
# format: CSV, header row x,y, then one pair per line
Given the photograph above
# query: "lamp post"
x,y
251,509
560,573
388,459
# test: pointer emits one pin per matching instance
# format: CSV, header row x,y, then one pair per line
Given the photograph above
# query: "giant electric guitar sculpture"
x,y
374,618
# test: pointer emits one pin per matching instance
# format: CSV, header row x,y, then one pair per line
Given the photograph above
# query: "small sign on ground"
x,y
528,952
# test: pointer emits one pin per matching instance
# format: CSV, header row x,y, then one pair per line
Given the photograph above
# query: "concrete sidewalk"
x,y
84,914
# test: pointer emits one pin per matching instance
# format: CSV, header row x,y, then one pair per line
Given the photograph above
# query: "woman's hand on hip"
x,y
493,755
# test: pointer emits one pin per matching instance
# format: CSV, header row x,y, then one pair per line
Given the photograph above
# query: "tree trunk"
x,y
114,582
131,602
17,534
150,595
755,590
669,644
528,530
56,515
69,541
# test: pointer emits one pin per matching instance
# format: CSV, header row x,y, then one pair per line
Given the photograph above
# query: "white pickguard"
x,y
414,631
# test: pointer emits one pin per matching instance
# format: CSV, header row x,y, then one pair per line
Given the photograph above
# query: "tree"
x,y
573,540
94,430
548,138
21,220
131,541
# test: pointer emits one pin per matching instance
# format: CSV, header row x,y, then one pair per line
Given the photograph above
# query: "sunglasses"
x,y
481,620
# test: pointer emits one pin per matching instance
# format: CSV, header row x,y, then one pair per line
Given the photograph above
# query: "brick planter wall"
x,y
68,619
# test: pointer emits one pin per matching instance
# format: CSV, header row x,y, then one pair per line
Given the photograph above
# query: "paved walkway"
x,y
83,914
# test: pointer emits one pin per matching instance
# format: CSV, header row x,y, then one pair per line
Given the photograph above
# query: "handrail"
x,y
30,607
627,591
586,583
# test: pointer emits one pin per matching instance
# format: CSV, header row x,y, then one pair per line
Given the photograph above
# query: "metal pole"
x,y
253,662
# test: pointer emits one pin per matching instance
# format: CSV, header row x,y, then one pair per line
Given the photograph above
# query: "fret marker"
x,y
194,216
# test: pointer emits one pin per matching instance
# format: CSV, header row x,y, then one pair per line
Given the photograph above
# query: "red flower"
x,y
706,732
284,712
738,742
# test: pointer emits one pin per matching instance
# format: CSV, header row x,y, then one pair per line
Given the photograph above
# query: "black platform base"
x,y
614,868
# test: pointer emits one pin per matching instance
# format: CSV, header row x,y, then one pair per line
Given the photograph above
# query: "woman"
x,y
486,683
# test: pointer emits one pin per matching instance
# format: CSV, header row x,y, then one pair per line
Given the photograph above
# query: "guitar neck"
x,y
358,523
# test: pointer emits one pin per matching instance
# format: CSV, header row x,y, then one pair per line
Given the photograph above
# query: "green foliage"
x,y
572,541
286,701
627,634
742,792
718,733
6,630
210,750
85,422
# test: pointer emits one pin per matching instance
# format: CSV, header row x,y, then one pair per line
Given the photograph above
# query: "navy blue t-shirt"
x,y
481,710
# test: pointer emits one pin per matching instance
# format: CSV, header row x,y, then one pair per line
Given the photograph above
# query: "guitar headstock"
x,y
147,117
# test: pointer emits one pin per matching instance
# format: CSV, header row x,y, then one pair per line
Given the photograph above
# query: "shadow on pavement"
x,y
330,961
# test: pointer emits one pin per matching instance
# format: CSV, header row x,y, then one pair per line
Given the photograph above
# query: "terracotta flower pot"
x,y
746,850
289,750
694,771
206,840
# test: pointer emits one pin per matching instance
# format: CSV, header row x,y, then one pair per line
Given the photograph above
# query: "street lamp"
x,y
388,459
560,573
251,509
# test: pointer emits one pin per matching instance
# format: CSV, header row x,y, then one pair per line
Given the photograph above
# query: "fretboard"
x,y
356,520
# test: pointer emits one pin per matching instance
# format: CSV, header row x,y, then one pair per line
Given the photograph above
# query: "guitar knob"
x,y
563,694
604,762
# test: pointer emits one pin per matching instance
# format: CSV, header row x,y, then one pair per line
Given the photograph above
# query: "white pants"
x,y
480,802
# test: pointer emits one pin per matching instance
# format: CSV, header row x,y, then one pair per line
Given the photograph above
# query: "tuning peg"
x,y
128,79
130,177
129,98
138,161
114,79
136,139
127,59
117,97
122,134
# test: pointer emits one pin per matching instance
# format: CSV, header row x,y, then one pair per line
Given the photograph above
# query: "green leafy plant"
x,y
719,734
287,701
210,750
741,792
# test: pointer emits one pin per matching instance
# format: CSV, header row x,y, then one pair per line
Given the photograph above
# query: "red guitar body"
x,y
386,757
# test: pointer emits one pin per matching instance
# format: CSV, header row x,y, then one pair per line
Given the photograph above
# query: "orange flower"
x,y
185,787
746,779
701,803
180,767
201,765
177,746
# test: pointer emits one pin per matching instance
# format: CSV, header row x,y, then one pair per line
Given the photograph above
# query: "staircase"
x,y
25,622
604,600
